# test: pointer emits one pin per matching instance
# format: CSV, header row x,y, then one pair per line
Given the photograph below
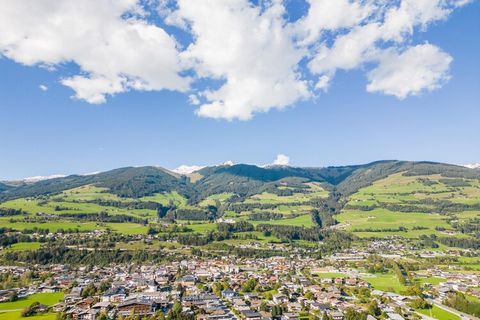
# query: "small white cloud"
x,y
323,83
193,99
417,69
185,169
228,163
43,87
281,160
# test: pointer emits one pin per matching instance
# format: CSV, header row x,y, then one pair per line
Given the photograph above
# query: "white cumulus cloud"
x,y
237,58
250,49
115,53
419,68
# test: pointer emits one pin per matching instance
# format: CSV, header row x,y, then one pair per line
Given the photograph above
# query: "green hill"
x,y
133,182
384,198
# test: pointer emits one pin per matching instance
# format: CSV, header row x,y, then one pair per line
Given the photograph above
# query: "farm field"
x,y
398,188
17,315
34,206
199,227
49,299
420,193
430,280
210,200
385,282
385,219
52,225
166,197
24,246
303,220
439,313
327,275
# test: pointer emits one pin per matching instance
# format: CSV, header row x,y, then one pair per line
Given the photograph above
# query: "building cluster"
x,y
223,289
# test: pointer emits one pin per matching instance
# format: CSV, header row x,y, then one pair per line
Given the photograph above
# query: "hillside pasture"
x,y
382,219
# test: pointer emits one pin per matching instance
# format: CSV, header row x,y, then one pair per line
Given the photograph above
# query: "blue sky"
x,y
49,132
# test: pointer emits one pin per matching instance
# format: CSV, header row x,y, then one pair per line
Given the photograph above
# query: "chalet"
x,y
152,286
251,315
85,303
229,294
199,300
314,305
290,316
187,281
394,316
90,314
102,306
280,298
116,295
137,307
336,315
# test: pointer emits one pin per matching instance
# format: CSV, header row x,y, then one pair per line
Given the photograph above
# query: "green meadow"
x,y
385,219
49,299
398,188
210,200
303,220
430,280
385,282
22,246
17,315
439,313
328,275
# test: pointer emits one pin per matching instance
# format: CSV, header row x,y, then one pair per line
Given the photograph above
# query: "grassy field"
x,y
383,219
33,206
431,280
87,193
439,313
124,228
128,228
166,197
406,190
199,227
303,220
45,298
52,226
385,282
327,275
222,197
314,190
21,246
397,188
17,315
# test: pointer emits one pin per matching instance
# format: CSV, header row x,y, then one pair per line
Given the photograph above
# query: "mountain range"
x,y
240,179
